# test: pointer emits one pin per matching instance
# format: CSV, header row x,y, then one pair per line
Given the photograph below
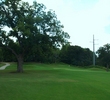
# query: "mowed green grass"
x,y
1,64
54,82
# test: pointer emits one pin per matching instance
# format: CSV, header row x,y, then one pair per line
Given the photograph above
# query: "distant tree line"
x,y
69,54
73,55
76,55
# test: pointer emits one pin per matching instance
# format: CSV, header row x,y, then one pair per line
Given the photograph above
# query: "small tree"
x,y
31,26
104,55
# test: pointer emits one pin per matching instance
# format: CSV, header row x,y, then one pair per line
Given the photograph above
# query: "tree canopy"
x,y
104,55
31,28
76,55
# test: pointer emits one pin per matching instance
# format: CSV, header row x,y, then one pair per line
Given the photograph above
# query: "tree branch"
x,y
12,51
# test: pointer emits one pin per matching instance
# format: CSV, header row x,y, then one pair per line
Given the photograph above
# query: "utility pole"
x,y
93,51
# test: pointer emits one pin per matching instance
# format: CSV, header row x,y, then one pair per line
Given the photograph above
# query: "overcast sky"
x,y
82,19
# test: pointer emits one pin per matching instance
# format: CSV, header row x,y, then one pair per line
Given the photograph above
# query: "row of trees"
x,y
73,55
76,55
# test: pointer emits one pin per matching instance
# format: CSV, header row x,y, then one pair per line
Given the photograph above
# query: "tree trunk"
x,y
19,60
20,63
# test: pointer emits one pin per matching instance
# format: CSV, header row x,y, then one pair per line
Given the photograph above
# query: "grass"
x,y
2,64
54,82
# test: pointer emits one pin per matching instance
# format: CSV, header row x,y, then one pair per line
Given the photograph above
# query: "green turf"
x,y
2,64
54,82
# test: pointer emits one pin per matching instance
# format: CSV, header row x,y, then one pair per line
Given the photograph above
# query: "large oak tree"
x,y
31,27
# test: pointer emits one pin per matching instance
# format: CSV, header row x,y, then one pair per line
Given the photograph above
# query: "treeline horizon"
x,y
68,54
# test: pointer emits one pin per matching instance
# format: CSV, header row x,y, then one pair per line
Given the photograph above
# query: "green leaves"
x,y
104,55
31,26
75,55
